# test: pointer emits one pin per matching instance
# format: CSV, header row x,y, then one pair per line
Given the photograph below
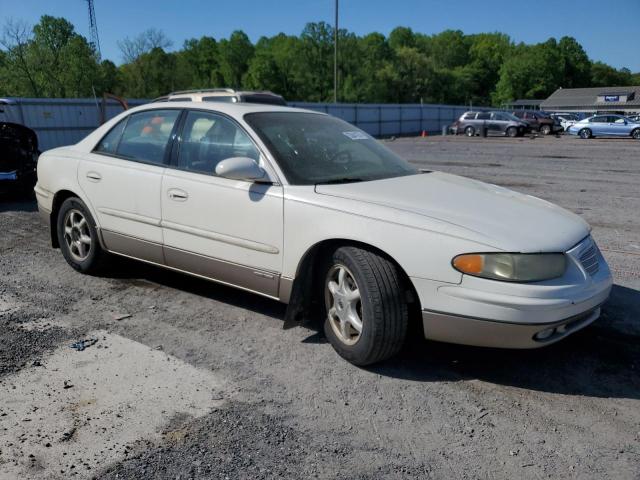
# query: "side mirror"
x,y
240,168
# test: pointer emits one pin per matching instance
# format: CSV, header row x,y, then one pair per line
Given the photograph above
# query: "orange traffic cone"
x,y
424,133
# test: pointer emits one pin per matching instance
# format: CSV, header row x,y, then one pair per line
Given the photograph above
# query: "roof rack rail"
x,y
203,90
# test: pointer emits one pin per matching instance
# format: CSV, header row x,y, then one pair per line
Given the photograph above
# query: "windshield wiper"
x,y
341,180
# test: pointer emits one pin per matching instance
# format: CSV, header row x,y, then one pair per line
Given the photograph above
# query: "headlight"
x,y
512,267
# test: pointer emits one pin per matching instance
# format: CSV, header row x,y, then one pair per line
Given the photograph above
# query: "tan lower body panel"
x,y
487,333
247,278
133,247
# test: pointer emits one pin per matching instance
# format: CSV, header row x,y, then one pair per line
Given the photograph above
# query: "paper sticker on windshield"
x,y
355,135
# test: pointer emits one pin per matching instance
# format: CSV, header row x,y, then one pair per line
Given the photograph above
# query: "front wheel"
x,y
512,132
365,305
545,129
78,237
470,131
636,134
585,133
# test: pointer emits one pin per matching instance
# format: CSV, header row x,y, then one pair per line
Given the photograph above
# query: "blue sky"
x,y
608,30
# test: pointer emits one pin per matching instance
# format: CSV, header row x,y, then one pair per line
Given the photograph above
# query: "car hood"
x,y
458,206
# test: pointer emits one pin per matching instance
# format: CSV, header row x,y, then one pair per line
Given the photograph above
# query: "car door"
x,y
483,119
122,178
598,126
618,126
500,122
227,230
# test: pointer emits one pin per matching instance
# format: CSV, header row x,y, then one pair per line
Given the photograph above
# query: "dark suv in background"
x,y
18,158
496,122
539,121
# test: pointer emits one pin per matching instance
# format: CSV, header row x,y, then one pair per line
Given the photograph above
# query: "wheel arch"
x,y
301,304
58,199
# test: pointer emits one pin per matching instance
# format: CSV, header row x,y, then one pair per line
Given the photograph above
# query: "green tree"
x,y
199,64
577,66
235,54
52,60
530,71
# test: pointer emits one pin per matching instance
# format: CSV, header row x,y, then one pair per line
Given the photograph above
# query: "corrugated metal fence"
x,y
66,121
59,121
385,120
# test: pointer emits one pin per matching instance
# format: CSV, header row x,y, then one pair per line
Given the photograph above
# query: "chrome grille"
x,y
589,259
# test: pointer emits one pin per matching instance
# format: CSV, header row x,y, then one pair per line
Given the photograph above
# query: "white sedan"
x,y
309,210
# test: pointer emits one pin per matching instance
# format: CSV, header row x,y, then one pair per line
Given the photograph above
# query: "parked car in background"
x,y
606,126
309,210
565,119
496,122
634,118
228,95
539,121
18,157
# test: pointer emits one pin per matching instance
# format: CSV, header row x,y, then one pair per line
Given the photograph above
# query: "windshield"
x,y
312,148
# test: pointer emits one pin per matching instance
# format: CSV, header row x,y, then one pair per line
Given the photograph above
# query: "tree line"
x,y
52,60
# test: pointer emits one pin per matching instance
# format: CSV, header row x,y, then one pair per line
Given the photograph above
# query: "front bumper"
x,y
500,314
487,333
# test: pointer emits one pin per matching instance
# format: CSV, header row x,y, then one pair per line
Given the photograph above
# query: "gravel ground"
x,y
286,406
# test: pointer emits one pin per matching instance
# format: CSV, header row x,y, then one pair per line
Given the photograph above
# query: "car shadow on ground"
x,y
602,360
135,273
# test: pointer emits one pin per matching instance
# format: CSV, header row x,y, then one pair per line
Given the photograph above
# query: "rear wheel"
x,y
636,134
366,309
585,133
512,132
78,237
470,131
545,129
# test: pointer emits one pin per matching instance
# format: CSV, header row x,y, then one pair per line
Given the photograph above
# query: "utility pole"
x,y
335,58
93,28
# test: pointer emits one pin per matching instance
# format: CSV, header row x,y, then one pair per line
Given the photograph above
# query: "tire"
x,y
78,237
636,134
368,289
585,133
545,129
512,132
470,132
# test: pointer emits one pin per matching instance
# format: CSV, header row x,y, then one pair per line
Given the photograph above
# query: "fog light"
x,y
544,334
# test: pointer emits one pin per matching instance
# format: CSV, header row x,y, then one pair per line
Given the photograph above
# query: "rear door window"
x,y
484,116
146,136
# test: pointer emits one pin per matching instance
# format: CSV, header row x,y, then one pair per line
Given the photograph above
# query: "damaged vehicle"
x,y
18,158
306,209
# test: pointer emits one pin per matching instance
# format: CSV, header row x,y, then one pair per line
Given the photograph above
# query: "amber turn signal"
x,y
471,264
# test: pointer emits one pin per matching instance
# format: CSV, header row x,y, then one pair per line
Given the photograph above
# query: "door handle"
x,y
94,176
177,194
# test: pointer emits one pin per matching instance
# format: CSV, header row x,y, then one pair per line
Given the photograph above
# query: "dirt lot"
x,y
189,379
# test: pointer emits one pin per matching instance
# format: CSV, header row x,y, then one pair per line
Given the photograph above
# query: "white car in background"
x,y
566,119
306,209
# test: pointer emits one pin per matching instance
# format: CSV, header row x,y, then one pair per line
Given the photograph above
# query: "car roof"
x,y
232,109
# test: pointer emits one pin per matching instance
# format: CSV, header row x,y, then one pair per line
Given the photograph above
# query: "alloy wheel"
x,y
77,235
344,305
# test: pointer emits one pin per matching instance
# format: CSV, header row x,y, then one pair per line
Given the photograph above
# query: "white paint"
x,y
122,392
